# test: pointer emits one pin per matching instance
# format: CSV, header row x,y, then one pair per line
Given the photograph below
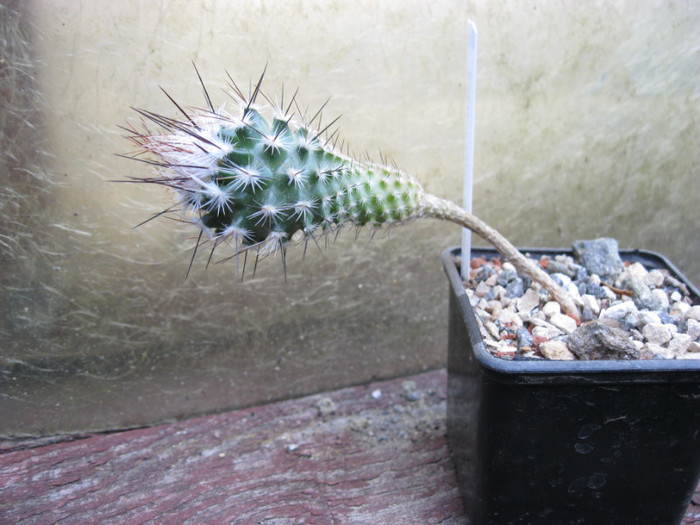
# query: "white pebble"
x,y
608,293
618,310
658,295
499,291
694,347
494,308
563,278
556,350
654,351
551,308
572,290
675,296
636,271
548,332
654,279
376,394
647,317
509,317
693,313
679,307
525,316
679,344
482,289
632,319
492,329
694,329
529,300
508,267
563,322
656,333
591,302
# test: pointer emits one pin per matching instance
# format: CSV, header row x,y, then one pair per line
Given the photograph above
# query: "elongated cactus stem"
x,y
447,210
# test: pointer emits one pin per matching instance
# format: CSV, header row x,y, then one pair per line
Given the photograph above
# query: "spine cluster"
x,y
261,182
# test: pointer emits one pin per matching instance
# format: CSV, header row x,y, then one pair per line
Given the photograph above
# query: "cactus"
x,y
264,182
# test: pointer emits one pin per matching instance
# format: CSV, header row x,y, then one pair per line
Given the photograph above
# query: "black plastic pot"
x,y
562,442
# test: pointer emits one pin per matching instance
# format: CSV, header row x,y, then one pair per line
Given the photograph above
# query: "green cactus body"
x,y
256,182
261,182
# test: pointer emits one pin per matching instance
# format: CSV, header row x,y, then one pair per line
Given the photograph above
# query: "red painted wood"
x,y
341,457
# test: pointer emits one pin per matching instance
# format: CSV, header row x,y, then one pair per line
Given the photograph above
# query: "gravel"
x,y
627,311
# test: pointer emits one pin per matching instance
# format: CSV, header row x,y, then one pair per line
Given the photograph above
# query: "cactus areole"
x,y
262,177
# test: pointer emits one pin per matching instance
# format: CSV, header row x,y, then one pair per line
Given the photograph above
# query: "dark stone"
x,y
589,288
484,273
515,288
506,277
588,315
642,296
524,339
599,256
596,340
568,268
581,273
666,318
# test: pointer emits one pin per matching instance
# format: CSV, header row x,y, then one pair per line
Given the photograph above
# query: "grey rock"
x,y
641,294
589,288
581,273
567,268
587,314
515,288
483,273
524,339
653,351
596,340
599,256
507,276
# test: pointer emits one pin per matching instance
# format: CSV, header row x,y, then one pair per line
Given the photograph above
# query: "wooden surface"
x,y
345,457
341,457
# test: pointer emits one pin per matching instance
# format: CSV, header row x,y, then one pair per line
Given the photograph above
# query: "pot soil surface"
x,y
627,311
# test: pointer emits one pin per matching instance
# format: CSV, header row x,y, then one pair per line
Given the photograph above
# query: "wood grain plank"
x,y
341,457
